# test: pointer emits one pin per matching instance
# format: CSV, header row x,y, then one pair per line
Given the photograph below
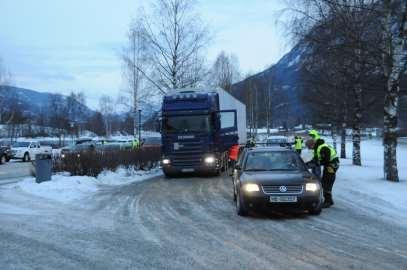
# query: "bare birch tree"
x,y
5,80
225,71
394,65
353,24
106,107
136,66
176,38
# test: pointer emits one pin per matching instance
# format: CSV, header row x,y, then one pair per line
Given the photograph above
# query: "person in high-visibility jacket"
x,y
298,144
233,156
316,169
314,134
135,144
326,156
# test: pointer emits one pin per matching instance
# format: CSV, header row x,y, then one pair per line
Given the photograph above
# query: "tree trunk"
x,y
394,65
356,160
343,140
390,127
334,141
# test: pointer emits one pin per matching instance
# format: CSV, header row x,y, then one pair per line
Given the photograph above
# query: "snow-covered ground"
x,y
365,185
65,189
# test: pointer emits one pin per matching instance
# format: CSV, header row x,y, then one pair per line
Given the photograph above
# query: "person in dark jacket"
x,y
325,155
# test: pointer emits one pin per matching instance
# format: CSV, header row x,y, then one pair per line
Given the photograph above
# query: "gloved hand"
x,y
330,169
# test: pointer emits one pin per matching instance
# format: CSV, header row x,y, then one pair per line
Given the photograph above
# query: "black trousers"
x,y
328,180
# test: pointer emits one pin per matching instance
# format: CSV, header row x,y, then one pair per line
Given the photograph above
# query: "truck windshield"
x,y
186,123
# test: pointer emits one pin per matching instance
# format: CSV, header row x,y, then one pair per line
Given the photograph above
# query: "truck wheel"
x,y
3,159
240,205
26,157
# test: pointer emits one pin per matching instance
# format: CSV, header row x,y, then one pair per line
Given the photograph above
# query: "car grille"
x,y
275,189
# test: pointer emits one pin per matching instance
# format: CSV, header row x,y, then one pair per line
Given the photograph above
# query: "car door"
x,y
228,128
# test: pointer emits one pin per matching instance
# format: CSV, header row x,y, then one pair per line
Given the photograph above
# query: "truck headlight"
x,y
312,187
251,187
166,161
209,160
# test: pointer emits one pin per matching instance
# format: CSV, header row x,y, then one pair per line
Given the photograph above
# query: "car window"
x,y
273,160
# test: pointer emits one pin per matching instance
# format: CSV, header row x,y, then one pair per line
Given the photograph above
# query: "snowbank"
x,y
64,188
365,187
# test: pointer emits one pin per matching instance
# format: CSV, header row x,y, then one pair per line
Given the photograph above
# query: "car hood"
x,y
18,148
276,177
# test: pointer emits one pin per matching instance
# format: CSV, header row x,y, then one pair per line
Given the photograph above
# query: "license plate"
x,y
187,170
283,199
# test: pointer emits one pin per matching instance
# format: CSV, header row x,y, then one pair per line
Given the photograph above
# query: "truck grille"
x,y
277,189
188,155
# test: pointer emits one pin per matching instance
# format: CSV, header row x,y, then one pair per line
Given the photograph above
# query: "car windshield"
x,y
273,161
187,123
21,144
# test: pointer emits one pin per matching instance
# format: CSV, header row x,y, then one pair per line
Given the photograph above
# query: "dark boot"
x,y
328,202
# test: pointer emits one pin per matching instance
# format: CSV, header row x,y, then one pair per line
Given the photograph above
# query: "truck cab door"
x,y
227,128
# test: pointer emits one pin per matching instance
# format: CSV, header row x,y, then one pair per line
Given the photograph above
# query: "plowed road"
x,y
190,223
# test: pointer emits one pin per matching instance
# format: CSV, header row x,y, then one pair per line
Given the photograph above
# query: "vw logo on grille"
x,y
283,188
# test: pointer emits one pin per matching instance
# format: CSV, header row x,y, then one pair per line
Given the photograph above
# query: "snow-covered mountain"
x,y
286,82
33,103
283,82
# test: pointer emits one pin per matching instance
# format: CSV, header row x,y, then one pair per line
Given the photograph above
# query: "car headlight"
x,y
311,187
209,160
166,161
251,188
62,155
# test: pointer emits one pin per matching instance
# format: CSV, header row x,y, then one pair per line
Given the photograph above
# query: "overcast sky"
x,y
64,45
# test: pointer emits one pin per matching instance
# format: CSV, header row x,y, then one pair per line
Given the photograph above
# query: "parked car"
x,y
28,149
278,141
79,147
5,154
151,141
275,178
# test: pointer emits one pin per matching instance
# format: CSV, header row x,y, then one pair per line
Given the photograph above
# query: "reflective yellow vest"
x,y
332,151
298,144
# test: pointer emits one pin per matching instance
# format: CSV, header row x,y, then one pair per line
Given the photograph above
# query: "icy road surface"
x,y
188,223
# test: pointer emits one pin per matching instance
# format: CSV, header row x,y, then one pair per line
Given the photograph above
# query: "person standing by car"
x,y
251,142
316,168
135,144
314,134
298,144
233,155
325,155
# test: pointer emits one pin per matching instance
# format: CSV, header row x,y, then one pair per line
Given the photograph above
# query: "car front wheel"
x,y
315,211
241,208
3,159
26,157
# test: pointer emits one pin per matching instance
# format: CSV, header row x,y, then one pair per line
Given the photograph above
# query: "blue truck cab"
x,y
197,132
